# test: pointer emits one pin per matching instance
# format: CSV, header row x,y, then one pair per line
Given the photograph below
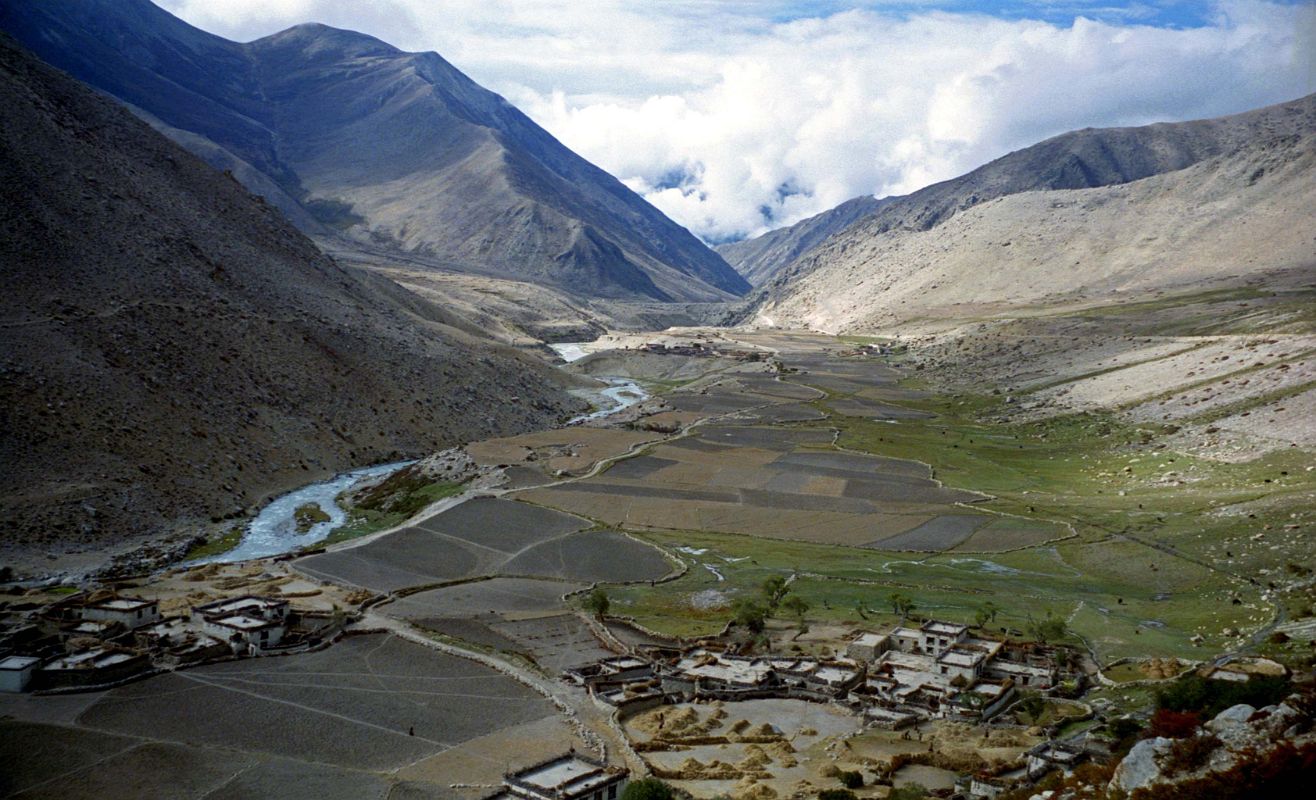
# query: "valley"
x,y
361,439
836,465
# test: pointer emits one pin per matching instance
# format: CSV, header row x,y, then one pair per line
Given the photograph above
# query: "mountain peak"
x,y
380,149
317,40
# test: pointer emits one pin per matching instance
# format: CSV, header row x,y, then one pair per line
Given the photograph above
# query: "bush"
x,y
836,794
648,789
1208,698
750,614
911,791
1124,731
851,780
1187,755
1174,724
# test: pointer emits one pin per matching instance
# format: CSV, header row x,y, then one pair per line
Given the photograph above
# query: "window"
x,y
612,792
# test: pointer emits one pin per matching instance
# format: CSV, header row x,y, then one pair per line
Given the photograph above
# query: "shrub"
x,y
750,614
1208,697
1191,753
1124,731
836,794
851,780
648,789
912,791
1174,724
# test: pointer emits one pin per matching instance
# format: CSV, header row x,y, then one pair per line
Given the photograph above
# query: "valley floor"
x,y
832,463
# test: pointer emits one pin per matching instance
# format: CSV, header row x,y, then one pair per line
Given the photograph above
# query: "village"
x,y
893,680
94,640
716,695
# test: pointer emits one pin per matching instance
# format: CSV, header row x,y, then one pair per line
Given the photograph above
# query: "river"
x,y
274,530
621,393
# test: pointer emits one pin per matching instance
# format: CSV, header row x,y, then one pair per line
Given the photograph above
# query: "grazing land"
x,y
955,499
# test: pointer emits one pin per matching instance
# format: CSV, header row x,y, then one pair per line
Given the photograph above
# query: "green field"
x,y
1164,546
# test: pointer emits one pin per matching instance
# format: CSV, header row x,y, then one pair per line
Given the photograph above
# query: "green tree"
x,y
1051,629
648,789
750,614
774,589
987,611
900,604
851,779
597,602
796,606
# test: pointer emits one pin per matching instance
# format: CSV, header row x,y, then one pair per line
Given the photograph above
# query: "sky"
x,y
738,116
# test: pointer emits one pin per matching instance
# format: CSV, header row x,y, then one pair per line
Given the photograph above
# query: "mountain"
x,y
173,352
354,138
1083,159
760,258
1236,219
1089,210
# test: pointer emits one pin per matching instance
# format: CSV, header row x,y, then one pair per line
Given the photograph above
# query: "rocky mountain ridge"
x,y
1083,159
357,140
174,352
939,255
759,258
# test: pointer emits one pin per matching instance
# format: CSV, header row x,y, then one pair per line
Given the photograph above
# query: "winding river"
x,y
621,392
274,530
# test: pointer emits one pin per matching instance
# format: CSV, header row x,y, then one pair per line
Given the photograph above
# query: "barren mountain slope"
x,y
1081,159
1227,217
172,351
396,149
758,259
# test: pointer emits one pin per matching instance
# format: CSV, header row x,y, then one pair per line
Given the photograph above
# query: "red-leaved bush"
x,y
1174,724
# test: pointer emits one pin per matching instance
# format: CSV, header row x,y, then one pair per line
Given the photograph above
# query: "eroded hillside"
x,y
174,352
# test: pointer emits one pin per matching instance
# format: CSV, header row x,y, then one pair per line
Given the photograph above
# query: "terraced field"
x,y
1082,515
785,482
377,708
487,536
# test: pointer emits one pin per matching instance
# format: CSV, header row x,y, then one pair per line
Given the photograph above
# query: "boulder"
x,y
1140,768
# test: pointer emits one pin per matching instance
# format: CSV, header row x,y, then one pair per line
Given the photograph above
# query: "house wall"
x,y
136,618
16,680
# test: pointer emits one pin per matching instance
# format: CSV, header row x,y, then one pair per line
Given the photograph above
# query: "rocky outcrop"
x,y
1237,734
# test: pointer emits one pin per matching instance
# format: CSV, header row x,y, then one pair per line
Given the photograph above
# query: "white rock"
x,y
1139,767
1234,715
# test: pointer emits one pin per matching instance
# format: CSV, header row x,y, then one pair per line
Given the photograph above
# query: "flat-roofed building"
x,y
965,663
94,667
131,612
1034,676
568,777
16,672
867,647
244,623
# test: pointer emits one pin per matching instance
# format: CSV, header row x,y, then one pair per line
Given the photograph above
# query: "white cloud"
x,y
732,123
